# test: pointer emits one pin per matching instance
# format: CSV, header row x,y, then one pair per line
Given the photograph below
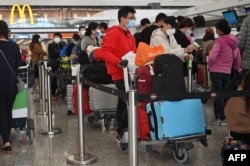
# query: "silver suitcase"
x,y
102,101
69,97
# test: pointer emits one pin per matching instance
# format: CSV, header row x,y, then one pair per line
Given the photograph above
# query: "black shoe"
x,y
70,113
6,150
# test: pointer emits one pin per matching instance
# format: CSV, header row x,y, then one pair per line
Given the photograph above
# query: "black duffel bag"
x,y
96,72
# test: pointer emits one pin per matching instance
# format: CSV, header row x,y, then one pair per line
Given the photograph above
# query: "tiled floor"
x,y
54,150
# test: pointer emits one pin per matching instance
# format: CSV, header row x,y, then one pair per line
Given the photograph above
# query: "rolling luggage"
x,y
168,69
85,103
170,119
143,125
69,91
100,100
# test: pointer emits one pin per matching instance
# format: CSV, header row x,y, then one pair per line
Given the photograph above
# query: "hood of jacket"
x,y
230,40
158,32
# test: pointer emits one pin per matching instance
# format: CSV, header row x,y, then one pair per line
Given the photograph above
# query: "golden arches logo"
x,y
21,12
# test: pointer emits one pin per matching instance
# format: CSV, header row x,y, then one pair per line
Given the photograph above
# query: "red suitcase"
x,y
145,76
200,75
85,104
143,124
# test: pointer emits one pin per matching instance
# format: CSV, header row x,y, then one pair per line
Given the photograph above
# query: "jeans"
x,y
220,82
121,111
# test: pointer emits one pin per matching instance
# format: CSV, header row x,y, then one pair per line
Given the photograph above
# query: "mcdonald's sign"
x,y
21,11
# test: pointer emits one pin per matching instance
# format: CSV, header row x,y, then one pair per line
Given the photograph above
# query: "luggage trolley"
x,y
180,141
103,105
21,112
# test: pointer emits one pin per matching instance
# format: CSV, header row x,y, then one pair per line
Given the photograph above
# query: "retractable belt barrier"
x,y
171,95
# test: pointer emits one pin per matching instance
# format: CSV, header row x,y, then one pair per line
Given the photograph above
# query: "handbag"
x,y
234,73
146,53
20,84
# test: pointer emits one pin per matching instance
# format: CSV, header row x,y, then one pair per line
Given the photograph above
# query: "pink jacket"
x,y
221,56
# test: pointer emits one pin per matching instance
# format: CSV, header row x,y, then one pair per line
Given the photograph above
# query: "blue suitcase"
x,y
171,119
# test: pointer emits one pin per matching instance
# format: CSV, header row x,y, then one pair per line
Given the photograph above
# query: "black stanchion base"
x,y
75,159
52,132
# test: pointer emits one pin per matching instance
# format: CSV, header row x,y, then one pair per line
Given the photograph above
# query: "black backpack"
x,y
168,76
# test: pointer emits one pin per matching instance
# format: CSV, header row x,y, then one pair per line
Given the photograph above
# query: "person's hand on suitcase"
x,y
123,63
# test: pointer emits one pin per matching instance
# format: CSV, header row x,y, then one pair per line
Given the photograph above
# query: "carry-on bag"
x,y
168,70
96,72
100,100
144,78
170,119
85,103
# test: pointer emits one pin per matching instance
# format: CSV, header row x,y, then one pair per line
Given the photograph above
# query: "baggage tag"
x,y
151,70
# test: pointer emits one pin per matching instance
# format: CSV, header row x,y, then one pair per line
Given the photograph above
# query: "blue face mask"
x,y
131,24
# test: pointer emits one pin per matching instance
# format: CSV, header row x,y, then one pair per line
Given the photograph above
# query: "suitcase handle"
x,y
150,125
155,120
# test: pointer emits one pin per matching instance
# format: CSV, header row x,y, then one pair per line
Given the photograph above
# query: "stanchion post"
x,y
40,65
132,128
83,158
51,129
189,81
42,91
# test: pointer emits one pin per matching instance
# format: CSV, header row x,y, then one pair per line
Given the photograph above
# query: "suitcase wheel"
x,y
107,123
124,147
181,155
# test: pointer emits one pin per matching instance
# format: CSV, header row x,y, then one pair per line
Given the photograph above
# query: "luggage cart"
x,y
180,145
103,106
21,113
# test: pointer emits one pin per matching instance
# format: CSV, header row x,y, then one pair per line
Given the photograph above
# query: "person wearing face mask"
x,y
184,29
165,37
103,28
117,42
77,47
91,39
54,49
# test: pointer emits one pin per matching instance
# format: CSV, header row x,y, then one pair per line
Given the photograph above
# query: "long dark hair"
x,y
91,26
4,30
35,40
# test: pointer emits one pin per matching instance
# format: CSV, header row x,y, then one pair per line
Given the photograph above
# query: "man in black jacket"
x,y
53,61
147,32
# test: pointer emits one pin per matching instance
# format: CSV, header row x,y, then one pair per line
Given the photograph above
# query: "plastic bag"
x,y
146,53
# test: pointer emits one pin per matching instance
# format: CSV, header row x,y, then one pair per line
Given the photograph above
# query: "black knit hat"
x,y
172,21
223,26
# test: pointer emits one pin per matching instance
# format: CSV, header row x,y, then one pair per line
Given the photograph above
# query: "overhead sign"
x,y
21,11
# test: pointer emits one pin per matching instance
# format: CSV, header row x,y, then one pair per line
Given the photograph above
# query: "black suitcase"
x,y
168,74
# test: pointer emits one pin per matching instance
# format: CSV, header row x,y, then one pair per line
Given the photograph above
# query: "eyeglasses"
x,y
131,18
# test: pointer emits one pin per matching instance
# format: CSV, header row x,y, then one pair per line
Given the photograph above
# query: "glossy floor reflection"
x,y
53,150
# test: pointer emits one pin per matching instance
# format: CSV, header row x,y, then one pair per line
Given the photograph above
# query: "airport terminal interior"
x,y
57,136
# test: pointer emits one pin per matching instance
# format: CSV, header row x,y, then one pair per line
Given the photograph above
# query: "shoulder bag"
x,y
20,84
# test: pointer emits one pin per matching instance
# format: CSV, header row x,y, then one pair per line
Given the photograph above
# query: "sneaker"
x,y
219,122
118,138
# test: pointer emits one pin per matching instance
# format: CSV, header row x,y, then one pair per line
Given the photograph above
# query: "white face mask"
x,y
170,31
57,40
188,32
40,39
83,32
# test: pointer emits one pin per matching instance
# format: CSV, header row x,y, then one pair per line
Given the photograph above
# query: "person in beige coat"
x,y
164,36
37,54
